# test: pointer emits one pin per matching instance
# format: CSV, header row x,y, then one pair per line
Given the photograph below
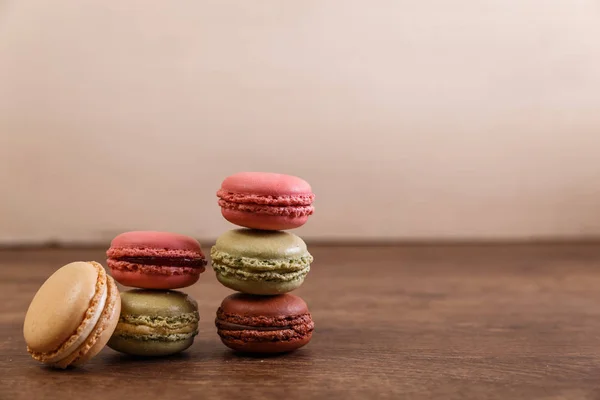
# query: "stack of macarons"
x,y
79,308
155,320
263,262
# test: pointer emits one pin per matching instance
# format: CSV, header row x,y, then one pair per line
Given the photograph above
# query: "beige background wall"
x,y
412,119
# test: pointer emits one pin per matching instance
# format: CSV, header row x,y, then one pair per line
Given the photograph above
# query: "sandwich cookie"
x,y
155,260
264,200
72,316
260,262
155,323
264,324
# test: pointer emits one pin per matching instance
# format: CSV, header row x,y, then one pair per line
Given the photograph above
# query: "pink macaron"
x,y
155,260
268,201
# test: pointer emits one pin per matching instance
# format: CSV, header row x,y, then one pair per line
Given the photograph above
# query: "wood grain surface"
x,y
463,322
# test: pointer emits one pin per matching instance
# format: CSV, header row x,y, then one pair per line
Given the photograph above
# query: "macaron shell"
x,y
263,245
265,183
264,306
263,221
58,308
148,348
248,346
259,287
146,280
157,303
155,239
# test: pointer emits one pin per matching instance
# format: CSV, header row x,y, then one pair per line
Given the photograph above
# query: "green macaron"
x,y
260,262
155,323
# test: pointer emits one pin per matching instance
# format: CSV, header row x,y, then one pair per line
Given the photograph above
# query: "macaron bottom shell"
x,y
148,280
148,348
259,287
268,347
263,221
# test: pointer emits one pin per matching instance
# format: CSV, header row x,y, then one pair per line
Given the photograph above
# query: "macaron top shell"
x,y
264,245
246,305
266,184
154,239
157,303
60,306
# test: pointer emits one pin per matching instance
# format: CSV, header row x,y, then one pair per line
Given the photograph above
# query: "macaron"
x,y
72,315
264,324
155,260
155,323
260,262
263,200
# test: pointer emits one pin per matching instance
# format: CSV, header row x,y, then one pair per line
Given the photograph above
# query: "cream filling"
x,y
124,329
173,332
249,275
174,337
86,331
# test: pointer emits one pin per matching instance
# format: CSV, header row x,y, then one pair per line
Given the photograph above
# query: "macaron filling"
x,y
156,257
166,261
246,268
292,205
257,264
263,329
160,328
156,262
237,327
167,270
261,276
282,200
286,211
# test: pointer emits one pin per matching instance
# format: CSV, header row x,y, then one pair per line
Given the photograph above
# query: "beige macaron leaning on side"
x,y
72,316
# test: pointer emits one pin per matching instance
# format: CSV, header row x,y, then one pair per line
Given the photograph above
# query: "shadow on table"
x,y
119,358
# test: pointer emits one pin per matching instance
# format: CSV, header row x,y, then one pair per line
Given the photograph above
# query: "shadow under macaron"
x,y
121,358
300,354
70,369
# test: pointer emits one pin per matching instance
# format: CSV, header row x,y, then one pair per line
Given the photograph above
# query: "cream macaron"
x,y
72,316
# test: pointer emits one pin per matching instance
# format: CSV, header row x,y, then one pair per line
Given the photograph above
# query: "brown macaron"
x,y
264,324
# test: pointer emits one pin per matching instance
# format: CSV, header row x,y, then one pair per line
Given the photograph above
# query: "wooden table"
x,y
421,322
